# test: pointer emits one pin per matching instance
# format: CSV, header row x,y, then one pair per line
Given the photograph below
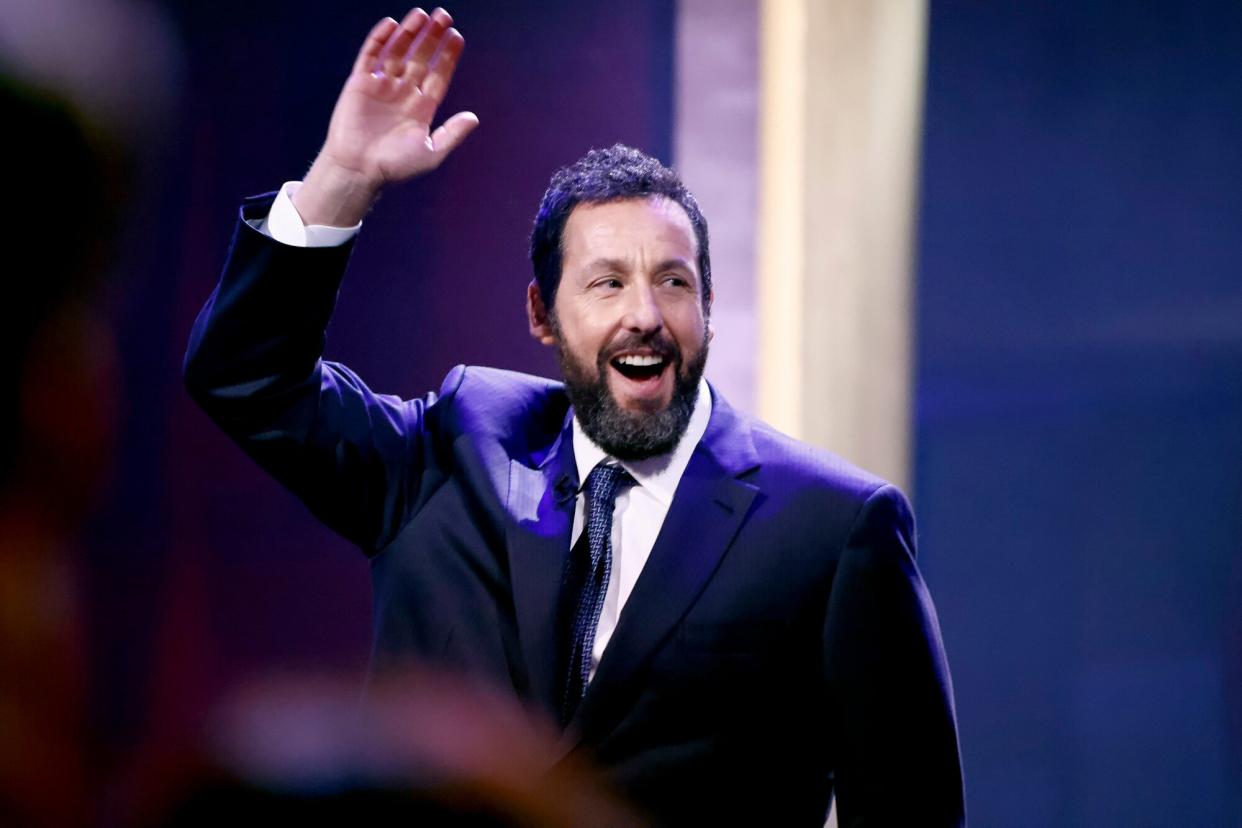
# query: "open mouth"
x,y
640,368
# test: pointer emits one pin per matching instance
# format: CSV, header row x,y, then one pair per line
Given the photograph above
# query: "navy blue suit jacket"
x,y
779,643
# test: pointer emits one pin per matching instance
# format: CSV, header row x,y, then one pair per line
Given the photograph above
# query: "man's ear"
x,y
711,332
537,315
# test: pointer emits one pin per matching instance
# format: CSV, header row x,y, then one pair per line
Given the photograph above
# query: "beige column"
x,y
841,85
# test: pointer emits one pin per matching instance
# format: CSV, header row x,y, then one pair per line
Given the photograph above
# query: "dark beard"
x,y
630,435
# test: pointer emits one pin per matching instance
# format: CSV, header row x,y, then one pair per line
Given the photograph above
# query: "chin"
x,y
640,405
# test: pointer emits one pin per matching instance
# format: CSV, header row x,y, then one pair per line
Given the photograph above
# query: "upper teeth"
x,y
635,359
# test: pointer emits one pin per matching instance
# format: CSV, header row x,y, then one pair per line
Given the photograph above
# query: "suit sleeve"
x,y
361,461
891,695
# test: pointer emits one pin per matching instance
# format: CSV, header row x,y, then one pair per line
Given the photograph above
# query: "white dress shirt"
x,y
639,511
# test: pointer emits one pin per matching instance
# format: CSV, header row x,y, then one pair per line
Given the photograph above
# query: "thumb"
x,y
452,132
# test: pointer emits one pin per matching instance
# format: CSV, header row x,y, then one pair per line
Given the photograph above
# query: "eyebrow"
x,y
606,264
617,264
675,264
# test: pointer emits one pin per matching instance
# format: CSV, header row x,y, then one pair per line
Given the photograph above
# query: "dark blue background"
x,y
1079,423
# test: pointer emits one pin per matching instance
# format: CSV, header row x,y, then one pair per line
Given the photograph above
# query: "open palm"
x,y
381,126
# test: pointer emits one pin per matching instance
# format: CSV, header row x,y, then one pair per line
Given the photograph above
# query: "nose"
x,y
642,311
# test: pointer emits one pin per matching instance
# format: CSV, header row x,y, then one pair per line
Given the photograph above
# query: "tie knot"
x,y
604,481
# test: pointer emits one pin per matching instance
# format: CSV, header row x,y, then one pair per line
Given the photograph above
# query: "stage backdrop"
x,y
1079,425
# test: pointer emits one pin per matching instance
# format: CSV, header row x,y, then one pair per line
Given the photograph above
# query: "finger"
x,y
425,47
436,84
392,59
451,133
374,45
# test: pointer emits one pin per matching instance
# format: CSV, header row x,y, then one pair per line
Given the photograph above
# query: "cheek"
x,y
583,342
690,328
586,331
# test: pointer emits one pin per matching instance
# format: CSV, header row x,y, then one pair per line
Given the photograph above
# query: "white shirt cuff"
x,y
285,225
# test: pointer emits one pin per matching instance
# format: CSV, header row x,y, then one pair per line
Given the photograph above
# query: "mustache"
x,y
656,343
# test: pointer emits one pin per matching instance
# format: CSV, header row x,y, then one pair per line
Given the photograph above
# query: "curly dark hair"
x,y
602,175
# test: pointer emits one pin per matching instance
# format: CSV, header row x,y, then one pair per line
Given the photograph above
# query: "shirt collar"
x,y
660,474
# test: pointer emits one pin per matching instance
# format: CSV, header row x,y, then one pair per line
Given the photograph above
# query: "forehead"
x,y
651,226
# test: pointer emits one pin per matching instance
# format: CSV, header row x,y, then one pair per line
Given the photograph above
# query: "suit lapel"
x,y
541,507
709,507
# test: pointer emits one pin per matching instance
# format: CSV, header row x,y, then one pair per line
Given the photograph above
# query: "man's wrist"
x,y
284,224
334,196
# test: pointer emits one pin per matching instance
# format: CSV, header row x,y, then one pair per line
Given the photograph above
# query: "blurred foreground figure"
x,y
427,750
729,622
57,424
81,81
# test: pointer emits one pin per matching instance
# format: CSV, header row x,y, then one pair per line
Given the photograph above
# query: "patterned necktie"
x,y
586,582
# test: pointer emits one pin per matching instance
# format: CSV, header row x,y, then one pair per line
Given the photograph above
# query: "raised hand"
x,y
380,132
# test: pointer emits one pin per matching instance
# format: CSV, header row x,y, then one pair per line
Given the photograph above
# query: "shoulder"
x,y
773,458
805,482
803,465
512,407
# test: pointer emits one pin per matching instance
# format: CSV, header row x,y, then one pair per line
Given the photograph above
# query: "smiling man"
x,y
727,621
623,294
